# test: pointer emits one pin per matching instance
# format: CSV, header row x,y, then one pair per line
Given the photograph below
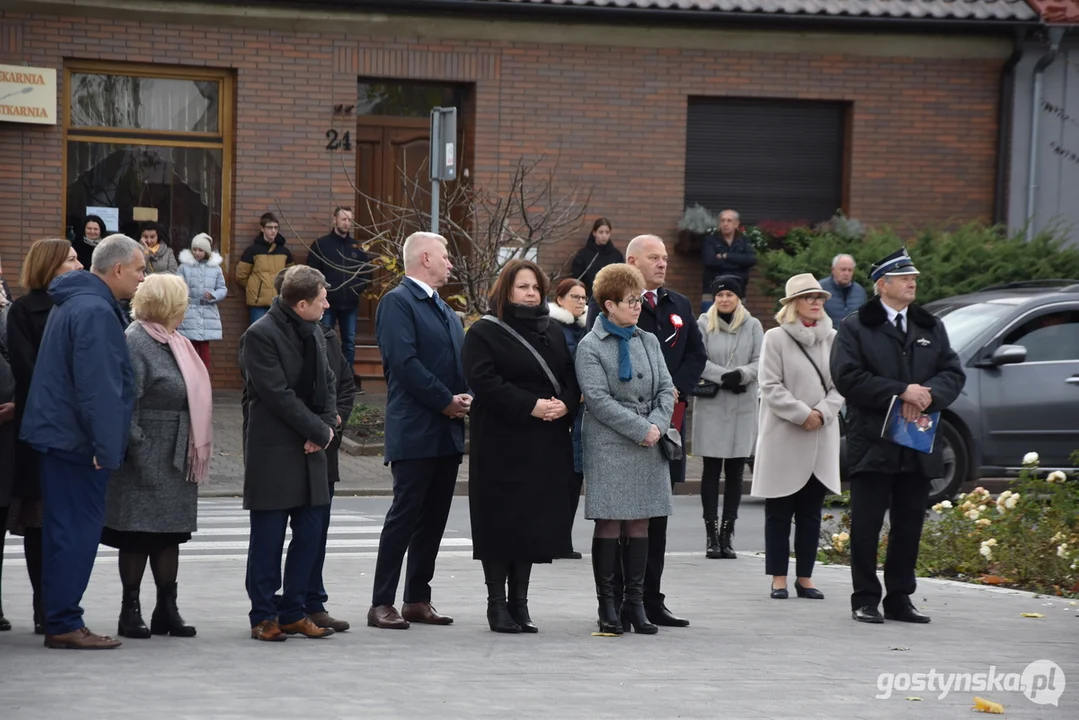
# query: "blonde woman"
x,y
725,426
797,460
152,500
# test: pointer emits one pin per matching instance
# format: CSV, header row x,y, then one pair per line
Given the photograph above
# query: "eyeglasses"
x,y
578,298
633,301
814,298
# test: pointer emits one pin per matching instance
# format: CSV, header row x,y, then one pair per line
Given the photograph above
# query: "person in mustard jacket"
x,y
260,264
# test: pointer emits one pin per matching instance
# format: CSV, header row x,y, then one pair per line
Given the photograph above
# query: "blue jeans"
x,y
347,332
256,312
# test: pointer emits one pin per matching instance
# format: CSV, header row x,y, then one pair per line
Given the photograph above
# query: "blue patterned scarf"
x,y
625,365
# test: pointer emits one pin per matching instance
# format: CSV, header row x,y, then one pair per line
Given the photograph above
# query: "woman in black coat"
x,y
597,253
46,260
521,458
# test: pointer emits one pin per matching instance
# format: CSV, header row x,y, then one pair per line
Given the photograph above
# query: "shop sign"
x,y
27,94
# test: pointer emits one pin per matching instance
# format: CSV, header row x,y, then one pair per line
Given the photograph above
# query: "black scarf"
x,y
533,318
311,388
725,317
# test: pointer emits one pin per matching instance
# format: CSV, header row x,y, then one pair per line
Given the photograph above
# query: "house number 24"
x,y
337,141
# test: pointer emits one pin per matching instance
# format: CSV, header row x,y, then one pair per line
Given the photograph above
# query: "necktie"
x,y
899,324
650,298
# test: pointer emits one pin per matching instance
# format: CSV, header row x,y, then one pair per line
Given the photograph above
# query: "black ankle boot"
x,y
517,600
604,557
726,550
711,533
131,624
166,619
5,624
636,558
39,617
498,615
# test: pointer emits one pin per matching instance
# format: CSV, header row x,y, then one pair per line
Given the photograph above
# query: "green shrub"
x,y
952,262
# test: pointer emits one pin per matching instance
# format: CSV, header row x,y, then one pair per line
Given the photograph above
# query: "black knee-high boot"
x,y
166,619
4,624
132,567
495,573
635,561
605,555
517,600
31,547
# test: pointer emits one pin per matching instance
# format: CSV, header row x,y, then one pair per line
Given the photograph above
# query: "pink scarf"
x,y
200,402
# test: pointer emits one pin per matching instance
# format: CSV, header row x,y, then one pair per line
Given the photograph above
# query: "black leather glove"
x,y
731,380
738,390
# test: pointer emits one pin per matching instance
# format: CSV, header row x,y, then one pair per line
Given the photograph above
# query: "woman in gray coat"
x,y
628,396
152,500
725,425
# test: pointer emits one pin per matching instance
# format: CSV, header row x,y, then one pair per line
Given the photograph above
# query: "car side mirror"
x,y
1008,355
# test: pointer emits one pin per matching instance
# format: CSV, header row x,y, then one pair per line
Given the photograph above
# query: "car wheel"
x,y
956,464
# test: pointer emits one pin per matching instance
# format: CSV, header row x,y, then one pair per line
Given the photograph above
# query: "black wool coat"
x,y
346,398
278,474
871,363
519,466
25,328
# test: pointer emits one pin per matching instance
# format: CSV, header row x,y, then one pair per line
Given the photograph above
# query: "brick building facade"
x,y
921,136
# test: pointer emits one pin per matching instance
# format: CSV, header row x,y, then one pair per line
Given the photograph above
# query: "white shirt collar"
x,y
423,286
892,313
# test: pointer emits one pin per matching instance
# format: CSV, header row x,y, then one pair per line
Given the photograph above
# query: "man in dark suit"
x,y
669,316
420,340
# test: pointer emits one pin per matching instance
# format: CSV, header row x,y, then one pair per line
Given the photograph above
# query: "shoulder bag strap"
x,y
819,373
535,353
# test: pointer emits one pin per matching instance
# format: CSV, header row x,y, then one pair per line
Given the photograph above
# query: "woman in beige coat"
x,y
798,444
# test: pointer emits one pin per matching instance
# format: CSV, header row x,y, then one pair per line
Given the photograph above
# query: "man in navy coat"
x,y
420,340
78,417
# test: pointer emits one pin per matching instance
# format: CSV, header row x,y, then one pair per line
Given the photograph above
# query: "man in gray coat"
x,y
290,415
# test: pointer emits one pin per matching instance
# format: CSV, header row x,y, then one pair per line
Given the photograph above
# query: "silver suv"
x,y
1019,344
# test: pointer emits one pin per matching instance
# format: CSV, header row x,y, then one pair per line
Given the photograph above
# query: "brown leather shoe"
x,y
424,613
268,631
325,620
81,639
386,617
308,629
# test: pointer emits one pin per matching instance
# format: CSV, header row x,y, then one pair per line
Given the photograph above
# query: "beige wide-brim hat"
x,y
804,284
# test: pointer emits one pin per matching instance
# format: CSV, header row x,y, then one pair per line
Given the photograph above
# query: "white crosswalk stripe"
x,y
223,536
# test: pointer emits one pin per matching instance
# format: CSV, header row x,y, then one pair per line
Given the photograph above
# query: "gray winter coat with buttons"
x,y
202,321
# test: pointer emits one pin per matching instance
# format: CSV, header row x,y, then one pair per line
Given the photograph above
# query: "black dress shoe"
x,y
779,593
571,555
867,614
908,614
804,592
660,615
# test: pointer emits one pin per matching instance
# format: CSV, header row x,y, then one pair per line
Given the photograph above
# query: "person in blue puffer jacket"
x,y
569,311
78,418
200,268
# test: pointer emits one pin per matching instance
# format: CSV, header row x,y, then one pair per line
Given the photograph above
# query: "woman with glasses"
x,y
797,459
568,310
629,400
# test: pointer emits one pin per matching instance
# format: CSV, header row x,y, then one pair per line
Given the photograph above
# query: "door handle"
x,y
1073,380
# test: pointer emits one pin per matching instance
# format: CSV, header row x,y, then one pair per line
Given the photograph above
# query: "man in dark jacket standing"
x,y
889,349
340,258
420,339
290,414
78,417
727,252
669,316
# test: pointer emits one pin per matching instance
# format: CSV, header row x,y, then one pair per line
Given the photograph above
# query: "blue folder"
x,y
917,435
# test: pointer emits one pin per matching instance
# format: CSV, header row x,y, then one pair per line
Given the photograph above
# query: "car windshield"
x,y
966,322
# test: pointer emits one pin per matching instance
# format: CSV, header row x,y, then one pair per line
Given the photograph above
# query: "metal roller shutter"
x,y
768,159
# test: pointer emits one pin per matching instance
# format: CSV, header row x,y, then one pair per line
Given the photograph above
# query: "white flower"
x,y
938,507
1056,476
1030,459
1004,495
983,521
946,504
1011,502
1062,550
974,514
986,551
844,537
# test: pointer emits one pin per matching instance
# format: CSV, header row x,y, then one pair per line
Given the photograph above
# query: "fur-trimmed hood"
x,y
564,316
873,314
809,335
188,258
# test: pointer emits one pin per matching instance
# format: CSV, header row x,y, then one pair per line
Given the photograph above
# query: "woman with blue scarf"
x,y
629,398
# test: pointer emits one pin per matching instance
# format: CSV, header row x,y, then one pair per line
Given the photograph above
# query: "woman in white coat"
x,y
200,268
725,426
797,460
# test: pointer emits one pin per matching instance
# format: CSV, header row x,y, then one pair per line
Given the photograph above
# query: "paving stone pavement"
x,y
745,655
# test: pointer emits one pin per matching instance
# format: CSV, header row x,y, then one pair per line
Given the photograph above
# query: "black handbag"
x,y
704,389
670,443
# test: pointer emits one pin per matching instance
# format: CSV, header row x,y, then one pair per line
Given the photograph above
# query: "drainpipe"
x,y
1056,34
1004,127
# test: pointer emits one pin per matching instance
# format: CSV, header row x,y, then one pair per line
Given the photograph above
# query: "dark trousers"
x,y
732,470
804,507
264,562
73,497
422,494
315,601
575,484
346,320
904,496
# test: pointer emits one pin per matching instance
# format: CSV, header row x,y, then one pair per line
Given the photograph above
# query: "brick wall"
x,y
922,144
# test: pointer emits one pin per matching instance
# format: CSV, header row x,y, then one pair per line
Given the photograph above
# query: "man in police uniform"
x,y
891,348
